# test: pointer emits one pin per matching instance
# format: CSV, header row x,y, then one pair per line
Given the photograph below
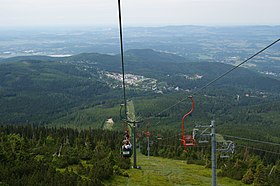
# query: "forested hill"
x,y
41,89
85,90
165,67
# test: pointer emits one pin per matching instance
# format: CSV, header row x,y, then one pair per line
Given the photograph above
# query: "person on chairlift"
x,y
126,144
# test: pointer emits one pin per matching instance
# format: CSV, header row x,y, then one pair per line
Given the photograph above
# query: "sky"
x,y
17,13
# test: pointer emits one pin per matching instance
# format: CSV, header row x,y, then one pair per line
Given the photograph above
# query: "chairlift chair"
x,y
127,152
187,140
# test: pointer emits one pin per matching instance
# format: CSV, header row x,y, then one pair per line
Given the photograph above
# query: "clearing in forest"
x,y
162,171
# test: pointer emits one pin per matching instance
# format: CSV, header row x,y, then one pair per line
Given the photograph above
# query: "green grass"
x,y
167,172
90,117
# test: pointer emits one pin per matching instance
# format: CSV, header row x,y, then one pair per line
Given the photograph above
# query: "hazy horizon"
x,y
147,13
98,27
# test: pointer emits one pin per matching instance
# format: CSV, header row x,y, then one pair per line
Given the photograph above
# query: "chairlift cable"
x,y
195,92
236,137
221,76
171,137
252,140
258,149
122,57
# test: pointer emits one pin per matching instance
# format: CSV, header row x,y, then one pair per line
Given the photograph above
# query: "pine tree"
x,y
248,177
261,176
274,177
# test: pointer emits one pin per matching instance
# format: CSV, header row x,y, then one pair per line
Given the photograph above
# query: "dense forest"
x,y
51,156
48,156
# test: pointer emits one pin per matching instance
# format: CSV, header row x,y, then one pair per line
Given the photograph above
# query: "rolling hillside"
x,y
41,90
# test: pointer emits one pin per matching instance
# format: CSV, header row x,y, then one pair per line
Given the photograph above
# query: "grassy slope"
x,y
227,122
93,117
161,171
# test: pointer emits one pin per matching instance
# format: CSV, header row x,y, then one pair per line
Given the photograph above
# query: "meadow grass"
x,y
161,171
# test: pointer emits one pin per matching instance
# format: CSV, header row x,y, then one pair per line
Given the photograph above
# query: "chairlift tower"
x,y
205,133
132,122
213,153
148,145
228,146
